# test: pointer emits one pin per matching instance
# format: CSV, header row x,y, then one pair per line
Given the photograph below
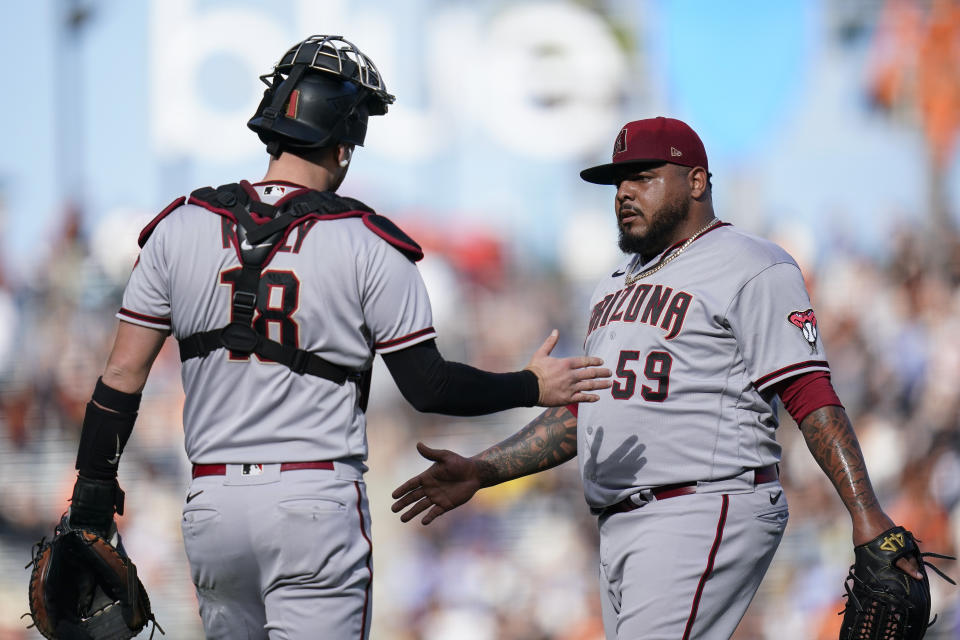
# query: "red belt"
x,y
760,476
221,469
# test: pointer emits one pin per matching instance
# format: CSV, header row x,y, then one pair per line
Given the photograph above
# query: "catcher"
x,y
276,521
83,585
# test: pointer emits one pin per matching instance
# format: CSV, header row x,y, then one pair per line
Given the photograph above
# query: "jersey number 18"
x,y
278,298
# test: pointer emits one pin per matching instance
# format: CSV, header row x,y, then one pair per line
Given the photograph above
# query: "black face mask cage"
x,y
337,56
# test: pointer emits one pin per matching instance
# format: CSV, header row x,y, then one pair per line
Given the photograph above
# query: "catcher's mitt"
x,y
84,587
883,601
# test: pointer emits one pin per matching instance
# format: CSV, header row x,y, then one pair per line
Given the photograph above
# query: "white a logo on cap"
x,y
621,144
675,152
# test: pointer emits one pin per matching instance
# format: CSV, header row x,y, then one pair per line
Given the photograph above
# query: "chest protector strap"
x,y
257,243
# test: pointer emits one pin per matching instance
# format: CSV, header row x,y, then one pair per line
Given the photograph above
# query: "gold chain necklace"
x,y
633,277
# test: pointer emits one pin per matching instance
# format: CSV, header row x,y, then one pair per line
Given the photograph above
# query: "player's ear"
x,y
698,182
344,154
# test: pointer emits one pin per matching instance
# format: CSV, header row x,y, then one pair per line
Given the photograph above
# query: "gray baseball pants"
x,y
280,556
687,567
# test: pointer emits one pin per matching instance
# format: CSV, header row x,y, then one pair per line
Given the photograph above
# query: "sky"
x,y
499,105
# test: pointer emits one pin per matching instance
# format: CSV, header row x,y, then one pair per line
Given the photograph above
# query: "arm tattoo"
x,y
834,445
547,441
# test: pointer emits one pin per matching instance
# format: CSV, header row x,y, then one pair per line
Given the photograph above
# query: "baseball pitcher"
x,y
706,327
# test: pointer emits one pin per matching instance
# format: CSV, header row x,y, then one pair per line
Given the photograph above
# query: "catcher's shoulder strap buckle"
x,y
245,300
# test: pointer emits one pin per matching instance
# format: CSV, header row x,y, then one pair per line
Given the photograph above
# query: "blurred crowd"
x,y
518,562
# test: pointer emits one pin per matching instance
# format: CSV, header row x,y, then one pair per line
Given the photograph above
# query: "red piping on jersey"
x,y
402,339
713,228
142,316
366,591
709,569
793,367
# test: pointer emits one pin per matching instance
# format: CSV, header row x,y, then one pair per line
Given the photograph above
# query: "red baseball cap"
x,y
650,141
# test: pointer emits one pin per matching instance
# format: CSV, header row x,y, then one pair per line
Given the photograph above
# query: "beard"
x,y
661,232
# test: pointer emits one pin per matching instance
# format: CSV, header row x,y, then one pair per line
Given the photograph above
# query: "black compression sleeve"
x,y
432,384
107,425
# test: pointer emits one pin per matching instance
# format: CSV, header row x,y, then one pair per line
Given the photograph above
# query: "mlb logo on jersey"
x,y
252,470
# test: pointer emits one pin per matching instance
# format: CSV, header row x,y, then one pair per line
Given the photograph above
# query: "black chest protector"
x,y
256,243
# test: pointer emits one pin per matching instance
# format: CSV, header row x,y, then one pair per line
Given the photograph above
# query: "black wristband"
x,y
118,401
102,439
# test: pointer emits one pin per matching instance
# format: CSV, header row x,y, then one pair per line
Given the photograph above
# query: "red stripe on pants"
x,y
366,595
709,569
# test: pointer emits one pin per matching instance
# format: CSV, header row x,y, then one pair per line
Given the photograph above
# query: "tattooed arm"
x,y
834,445
550,440
547,441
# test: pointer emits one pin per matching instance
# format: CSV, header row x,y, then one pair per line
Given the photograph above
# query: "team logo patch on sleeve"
x,y
806,321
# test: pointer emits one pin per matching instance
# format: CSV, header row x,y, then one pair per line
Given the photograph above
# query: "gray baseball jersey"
x,y
696,347
335,289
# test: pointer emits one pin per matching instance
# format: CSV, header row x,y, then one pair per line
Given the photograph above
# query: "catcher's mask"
x,y
320,93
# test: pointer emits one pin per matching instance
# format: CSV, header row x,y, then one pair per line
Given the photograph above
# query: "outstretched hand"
x,y
448,483
563,381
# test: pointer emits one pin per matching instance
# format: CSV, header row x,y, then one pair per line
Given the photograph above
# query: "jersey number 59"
x,y
656,369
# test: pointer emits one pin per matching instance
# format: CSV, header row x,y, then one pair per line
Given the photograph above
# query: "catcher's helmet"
x,y
320,93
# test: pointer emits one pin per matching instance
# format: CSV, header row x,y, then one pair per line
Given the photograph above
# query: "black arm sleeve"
x,y
434,385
